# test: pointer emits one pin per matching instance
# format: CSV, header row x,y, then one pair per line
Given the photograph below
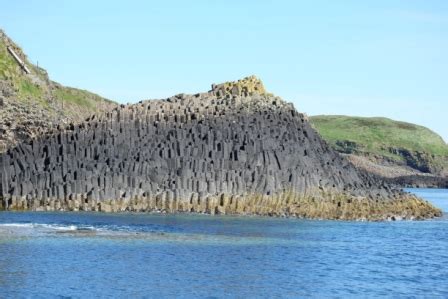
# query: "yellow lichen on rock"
x,y
320,205
243,87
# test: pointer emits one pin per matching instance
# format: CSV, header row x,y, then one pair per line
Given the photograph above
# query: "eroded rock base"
x,y
323,205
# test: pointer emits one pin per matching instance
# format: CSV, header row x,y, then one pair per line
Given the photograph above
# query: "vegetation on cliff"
x,y
31,103
385,142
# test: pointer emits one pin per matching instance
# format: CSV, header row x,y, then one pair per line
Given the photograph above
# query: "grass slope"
x,y
381,137
30,103
37,89
79,103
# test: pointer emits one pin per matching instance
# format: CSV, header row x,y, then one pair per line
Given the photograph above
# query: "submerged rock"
x,y
233,150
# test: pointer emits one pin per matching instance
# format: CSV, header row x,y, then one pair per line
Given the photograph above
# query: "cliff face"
x,y
30,103
233,150
398,151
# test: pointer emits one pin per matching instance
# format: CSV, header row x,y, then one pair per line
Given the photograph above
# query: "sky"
x,y
367,58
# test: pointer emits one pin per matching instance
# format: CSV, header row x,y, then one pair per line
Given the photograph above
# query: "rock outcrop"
x,y
233,150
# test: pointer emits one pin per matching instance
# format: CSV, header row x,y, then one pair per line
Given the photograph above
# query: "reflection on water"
x,y
140,255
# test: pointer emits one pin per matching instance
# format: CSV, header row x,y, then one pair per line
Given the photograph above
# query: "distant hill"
x,y
387,147
31,103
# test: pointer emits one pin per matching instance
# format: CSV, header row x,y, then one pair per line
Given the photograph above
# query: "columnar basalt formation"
x,y
232,150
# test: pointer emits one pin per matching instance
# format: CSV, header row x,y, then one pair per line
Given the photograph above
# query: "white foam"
x,y
40,226
25,225
57,227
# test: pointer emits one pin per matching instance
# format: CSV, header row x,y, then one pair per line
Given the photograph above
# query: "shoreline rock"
x,y
321,205
235,149
419,181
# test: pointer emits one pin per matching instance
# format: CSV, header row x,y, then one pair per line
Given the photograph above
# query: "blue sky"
x,y
369,58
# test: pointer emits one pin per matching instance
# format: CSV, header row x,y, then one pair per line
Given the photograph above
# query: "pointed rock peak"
x,y
243,87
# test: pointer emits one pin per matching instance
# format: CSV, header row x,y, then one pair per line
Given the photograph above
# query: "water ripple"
x,y
134,255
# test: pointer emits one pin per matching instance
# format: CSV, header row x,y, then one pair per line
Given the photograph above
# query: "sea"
x,y
126,255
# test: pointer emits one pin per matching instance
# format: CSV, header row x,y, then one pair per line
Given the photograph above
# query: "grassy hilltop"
x,y
385,141
31,102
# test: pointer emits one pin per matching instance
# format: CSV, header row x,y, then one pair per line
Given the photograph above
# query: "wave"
x,y
121,232
56,227
81,227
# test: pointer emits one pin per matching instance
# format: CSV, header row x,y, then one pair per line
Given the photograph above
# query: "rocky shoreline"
x,y
233,150
402,176
322,206
419,181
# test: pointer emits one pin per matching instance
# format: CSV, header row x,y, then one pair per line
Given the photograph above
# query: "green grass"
x,y
80,98
376,135
35,92
8,66
10,70
28,89
76,103
75,97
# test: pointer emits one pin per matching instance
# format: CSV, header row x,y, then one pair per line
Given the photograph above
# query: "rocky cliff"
x,y
398,151
233,150
30,103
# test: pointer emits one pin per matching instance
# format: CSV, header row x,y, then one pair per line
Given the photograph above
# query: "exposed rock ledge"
x,y
318,206
233,150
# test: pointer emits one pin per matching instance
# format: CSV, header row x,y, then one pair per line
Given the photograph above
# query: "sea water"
x,y
84,255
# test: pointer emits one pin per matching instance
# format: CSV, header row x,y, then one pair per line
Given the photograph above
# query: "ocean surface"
x,y
84,255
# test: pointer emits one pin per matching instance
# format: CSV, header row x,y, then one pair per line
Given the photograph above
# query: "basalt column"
x,y
235,149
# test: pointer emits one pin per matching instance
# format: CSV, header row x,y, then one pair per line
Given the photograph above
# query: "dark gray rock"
x,y
189,150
